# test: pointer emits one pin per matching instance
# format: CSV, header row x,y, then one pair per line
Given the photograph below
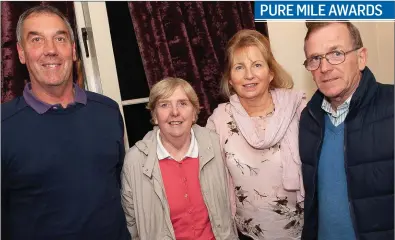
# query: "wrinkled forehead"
x,y
328,38
44,22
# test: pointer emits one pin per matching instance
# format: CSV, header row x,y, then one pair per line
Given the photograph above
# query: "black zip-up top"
x,y
368,159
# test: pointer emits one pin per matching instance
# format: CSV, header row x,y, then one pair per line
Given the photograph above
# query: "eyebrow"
x,y
335,47
32,33
330,50
60,32
244,64
178,100
35,33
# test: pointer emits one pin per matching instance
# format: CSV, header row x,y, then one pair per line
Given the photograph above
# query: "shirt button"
x,y
190,211
186,195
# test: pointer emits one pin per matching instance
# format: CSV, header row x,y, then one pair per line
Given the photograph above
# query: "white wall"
x,y
287,44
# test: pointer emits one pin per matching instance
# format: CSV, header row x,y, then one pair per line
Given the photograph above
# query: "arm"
x,y
302,105
211,124
301,193
5,205
214,123
121,149
5,193
227,216
127,201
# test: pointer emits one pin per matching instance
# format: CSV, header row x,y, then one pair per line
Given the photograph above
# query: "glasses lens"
x,y
335,57
312,63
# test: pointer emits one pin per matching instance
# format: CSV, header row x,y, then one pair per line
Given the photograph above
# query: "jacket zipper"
x,y
351,208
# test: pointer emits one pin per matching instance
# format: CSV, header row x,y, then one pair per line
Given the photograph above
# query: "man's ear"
x,y
21,53
74,53
362,58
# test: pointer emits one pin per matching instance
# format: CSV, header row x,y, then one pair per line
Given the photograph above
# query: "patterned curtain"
x,y
187,40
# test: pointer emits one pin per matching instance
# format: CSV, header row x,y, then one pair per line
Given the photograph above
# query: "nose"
x,y
174,110
50,48
325,65
248,74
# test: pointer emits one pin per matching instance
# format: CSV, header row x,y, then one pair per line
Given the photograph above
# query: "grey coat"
x,y
144,198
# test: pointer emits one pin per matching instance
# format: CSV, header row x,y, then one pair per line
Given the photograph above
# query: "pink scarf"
x,y
283,128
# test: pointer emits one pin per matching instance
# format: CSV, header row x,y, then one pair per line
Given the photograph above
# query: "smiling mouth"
x,y
250,85
175,123
51,65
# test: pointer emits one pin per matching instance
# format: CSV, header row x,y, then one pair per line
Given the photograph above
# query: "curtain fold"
x,y
14,75
187,40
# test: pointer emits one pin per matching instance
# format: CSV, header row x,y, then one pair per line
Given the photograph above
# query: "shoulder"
x,y
133,155
142,146
314,104
102,100
203,131
383,103
291,92
221,110
386,92
12,108
205,136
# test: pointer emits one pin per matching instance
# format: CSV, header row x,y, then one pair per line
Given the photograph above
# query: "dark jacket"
x,y
368,157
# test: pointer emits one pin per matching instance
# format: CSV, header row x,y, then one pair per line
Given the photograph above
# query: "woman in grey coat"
x,y
174,181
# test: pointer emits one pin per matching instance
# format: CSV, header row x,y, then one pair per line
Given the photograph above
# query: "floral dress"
x,y
264,210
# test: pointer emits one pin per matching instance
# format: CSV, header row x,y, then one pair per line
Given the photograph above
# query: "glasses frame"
x,y
324,56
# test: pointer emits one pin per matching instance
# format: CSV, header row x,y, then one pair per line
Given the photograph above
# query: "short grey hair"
x,y
165,88
40,10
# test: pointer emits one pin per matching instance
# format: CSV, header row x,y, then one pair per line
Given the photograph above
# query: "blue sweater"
x,y
60,171
334,220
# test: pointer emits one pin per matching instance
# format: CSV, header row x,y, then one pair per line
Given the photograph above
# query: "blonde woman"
x,y
258,131
174,180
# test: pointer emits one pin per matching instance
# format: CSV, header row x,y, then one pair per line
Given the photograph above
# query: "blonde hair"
x,y
246,38
354,32
165,88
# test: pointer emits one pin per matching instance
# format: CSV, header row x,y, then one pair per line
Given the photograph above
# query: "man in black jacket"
x,y
346,140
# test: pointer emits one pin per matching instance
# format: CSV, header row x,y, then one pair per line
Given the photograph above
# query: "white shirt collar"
x,y
327,107
192,152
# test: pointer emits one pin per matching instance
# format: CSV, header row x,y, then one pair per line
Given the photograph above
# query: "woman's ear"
x,y
271,76
154,118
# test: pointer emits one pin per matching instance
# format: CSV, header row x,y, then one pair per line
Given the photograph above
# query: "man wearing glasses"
x,y
346,140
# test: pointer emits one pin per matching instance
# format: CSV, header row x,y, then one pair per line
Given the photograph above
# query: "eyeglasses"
x,y
334,57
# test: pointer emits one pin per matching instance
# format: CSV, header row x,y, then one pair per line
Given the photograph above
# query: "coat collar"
x,y
366,89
